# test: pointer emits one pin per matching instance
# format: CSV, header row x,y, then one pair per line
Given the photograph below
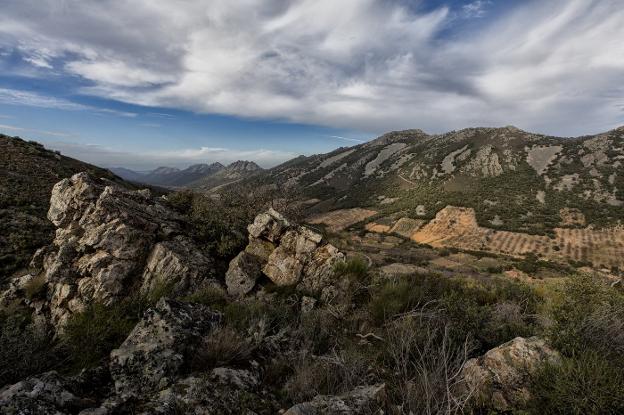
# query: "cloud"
x,y
476,9
110,157
367,65
353,140
31,99
31,130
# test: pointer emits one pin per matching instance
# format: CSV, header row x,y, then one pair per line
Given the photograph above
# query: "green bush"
x,y
244,314
210,296
91,335
491,312
354,267
36,288
585,384
589,315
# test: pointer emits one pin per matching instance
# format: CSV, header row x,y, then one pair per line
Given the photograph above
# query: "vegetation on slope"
x,y
27,174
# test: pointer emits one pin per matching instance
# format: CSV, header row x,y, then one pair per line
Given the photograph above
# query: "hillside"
x,y
170,176
202,177
27,173
567,191
129,312
234,172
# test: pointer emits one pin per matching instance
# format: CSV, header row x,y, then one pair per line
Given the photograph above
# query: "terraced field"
x,y
338,220
457,227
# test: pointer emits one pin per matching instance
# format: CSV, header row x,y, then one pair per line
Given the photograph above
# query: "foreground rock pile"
x,y
289,255
499,379
109,242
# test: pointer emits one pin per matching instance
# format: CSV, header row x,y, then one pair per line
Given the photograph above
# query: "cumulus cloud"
x,y
369,65
108,157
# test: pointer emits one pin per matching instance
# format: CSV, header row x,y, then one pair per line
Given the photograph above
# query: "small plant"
x,y
213,297
354,267
327,375
89,336
36,287
223,346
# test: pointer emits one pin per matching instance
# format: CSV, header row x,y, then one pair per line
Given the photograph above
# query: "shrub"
x,y
213,297
354,267
585,384
326,375
25,350
91,335
589,315
245,314
36,287
317,331
425,364
223,346
471,309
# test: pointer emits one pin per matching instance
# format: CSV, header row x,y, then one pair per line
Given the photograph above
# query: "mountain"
x,y
127,174
234,172
170,176
531,186
28,172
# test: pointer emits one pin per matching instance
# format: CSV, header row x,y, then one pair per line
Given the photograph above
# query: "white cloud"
x,y
111,157
476,9
31,99
352,140
370,65
31,130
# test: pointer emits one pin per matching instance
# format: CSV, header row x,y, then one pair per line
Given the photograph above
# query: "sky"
x,y
145,83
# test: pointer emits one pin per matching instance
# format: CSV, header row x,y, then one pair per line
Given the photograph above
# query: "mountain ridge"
x,y
201,175
519,177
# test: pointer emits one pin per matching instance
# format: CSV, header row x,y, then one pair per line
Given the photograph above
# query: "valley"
x,y
307,287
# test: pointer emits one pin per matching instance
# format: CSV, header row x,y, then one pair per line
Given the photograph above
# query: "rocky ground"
x,y
133,317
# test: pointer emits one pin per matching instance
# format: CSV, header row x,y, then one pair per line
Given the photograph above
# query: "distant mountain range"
x,y
197,176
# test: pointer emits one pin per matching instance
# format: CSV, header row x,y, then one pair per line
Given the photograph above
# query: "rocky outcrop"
x,y
499,379
287,254
154,352
221,391
242,274
362,399
111,242
52,393
43,394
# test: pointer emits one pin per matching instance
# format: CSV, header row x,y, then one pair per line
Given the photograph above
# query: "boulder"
x,y
282,267
260,248
222,391
109,240
47,393
154,352
269,225
179,264
500,378
362,399
285,253
242,274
